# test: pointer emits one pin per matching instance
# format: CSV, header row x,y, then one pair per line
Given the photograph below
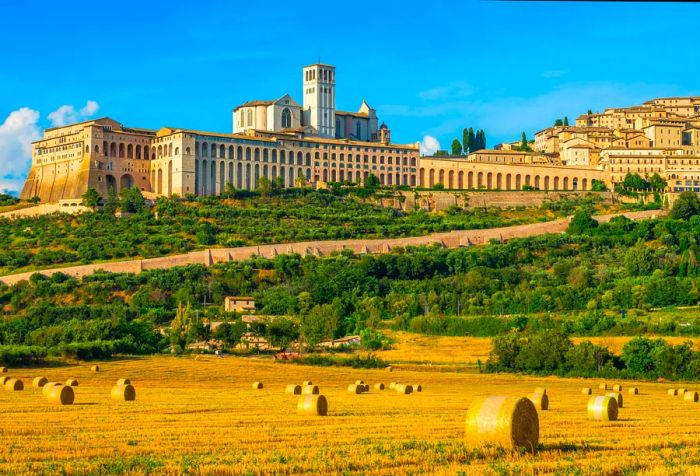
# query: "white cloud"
x,y
19,130
454,90
67,114
429,145
17,133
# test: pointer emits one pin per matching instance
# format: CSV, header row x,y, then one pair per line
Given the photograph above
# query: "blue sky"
x,y
429,68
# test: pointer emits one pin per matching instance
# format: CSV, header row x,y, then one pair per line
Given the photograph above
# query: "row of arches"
x,y
499,180
130,151
211,176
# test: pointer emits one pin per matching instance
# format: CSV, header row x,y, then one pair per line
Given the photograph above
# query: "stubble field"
x,y
203,417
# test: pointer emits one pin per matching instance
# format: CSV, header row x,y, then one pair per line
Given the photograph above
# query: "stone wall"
x,y
452,239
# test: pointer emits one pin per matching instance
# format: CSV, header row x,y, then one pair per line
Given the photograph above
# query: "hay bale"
x,y
356,389
48,386
392,385
71,382
61,395
306,383
379,386
310,390
586,391
126,393
390,369
359,382
124,381
541,390
14,385
4,379
633,390
540,400
681,391
315,405
672,391
508,422
602,408
293,389
39,382
417,388
603,386
690,396
617,396
257,385
95,368
403,389
3,370
617,388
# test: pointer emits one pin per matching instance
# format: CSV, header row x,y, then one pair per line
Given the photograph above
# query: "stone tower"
x,y
319,98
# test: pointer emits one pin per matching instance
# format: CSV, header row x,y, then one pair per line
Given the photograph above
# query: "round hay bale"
x,y
359,382
310,390
61,395
71,382
14,385
690,396
540,390
392,385
390,369
586,391
306,383
417,388
4,379
602,408
617,388
379,386
672,391
3,370
633,390
124,381
508,422
356,389
603,386
617,396
293,389
257,385
403,389
540,400
48,386
681,391
315,405
39,382
95,368
126,393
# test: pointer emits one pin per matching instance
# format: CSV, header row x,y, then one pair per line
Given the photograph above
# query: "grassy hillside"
x,y
176,226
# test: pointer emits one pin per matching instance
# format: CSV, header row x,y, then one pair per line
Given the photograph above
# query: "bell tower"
x,y
319,98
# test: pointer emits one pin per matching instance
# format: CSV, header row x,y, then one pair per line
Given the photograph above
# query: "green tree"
x,y
558,123
34,199
456,147
523,142
472,140
264,186
589,112
582,222
112,202
132,200
372,181
319,324
634,181
91,198
440,153
598,186
566,121
465,141
656,182
639,260
685,206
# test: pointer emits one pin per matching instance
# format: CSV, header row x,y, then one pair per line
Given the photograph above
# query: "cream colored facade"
x,y
102,153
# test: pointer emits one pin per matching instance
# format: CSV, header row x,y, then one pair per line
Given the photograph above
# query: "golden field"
x,y
201,416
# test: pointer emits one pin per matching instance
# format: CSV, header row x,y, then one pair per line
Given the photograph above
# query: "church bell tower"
x,y
319,98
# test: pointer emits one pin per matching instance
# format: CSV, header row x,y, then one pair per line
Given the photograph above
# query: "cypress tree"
x,y
465,140
523,142
566,121
456,147
472,140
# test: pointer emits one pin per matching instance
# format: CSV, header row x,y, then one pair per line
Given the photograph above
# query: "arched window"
x,y
286,118
250,117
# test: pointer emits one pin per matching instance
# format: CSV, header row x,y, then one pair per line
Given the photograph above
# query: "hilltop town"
x,y
314,144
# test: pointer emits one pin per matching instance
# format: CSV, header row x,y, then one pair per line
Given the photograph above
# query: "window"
x,y
286,118
250,117
358,129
